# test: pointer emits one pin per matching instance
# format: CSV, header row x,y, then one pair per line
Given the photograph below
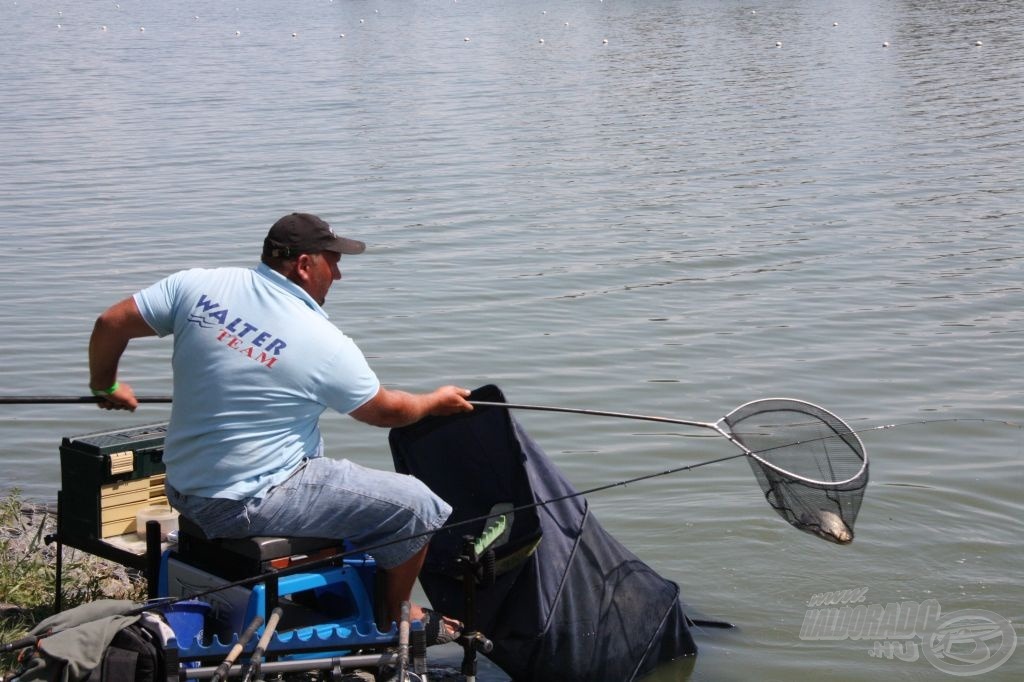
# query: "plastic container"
x,y
187,619
163,513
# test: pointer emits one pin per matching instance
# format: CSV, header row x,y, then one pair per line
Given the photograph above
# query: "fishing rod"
x,y
368,549
845,434
164,602
483,518
71,399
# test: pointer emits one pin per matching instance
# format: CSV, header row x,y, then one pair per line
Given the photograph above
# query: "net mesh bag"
x,y
810,465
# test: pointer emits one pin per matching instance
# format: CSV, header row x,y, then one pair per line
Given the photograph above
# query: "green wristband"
x,y
105,392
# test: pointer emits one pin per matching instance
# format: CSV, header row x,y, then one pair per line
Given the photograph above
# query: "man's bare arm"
x,y
114,328
392,408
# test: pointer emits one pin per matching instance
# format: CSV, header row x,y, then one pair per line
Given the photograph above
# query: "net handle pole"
x,y
595,413
717,427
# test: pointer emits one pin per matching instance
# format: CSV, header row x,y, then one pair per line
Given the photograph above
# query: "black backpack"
x,y
136,654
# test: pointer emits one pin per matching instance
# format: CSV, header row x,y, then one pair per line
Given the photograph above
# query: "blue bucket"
x,y
187,619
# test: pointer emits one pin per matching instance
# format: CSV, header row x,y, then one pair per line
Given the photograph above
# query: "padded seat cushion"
x,y
260,548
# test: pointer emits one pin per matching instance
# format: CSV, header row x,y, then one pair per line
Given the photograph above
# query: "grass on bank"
x,y
28,572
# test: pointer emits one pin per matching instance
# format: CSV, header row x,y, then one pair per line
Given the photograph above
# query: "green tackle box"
x,y
107,477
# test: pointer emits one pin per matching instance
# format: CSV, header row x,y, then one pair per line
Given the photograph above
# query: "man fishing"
x,y
256,362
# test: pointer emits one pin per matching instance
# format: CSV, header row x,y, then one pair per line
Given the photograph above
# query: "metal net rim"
x,y
858,480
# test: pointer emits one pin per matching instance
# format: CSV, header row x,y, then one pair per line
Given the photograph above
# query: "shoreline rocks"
x,y
23,534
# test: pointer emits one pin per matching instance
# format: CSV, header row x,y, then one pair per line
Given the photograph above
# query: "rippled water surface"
x,y
660,207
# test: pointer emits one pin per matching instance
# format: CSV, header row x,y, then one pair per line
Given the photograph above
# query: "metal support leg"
x,y
58,587
270,594
472,640
152,558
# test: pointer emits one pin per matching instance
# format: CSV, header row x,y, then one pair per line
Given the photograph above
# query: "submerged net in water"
x,y
812,467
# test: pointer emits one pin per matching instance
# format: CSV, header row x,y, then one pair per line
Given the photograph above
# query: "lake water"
x,y
724,201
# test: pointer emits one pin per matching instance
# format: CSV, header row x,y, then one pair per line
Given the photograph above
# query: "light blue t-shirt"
x,y
256,362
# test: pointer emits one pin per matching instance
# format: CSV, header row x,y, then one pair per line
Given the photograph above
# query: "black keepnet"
x,y
580,606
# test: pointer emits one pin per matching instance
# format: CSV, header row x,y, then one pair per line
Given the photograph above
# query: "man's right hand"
x,y
121,399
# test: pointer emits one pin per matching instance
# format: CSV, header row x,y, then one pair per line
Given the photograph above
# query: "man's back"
x,y
256,361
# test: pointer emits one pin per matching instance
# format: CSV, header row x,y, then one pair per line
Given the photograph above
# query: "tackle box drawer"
x,y
107,477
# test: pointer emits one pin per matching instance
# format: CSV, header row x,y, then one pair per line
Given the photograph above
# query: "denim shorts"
x,y
389,515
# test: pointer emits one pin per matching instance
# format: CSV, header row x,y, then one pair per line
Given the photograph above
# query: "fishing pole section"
x,y
791,445
810,464
72,399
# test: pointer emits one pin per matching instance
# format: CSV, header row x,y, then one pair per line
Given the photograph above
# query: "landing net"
x,y
811,466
